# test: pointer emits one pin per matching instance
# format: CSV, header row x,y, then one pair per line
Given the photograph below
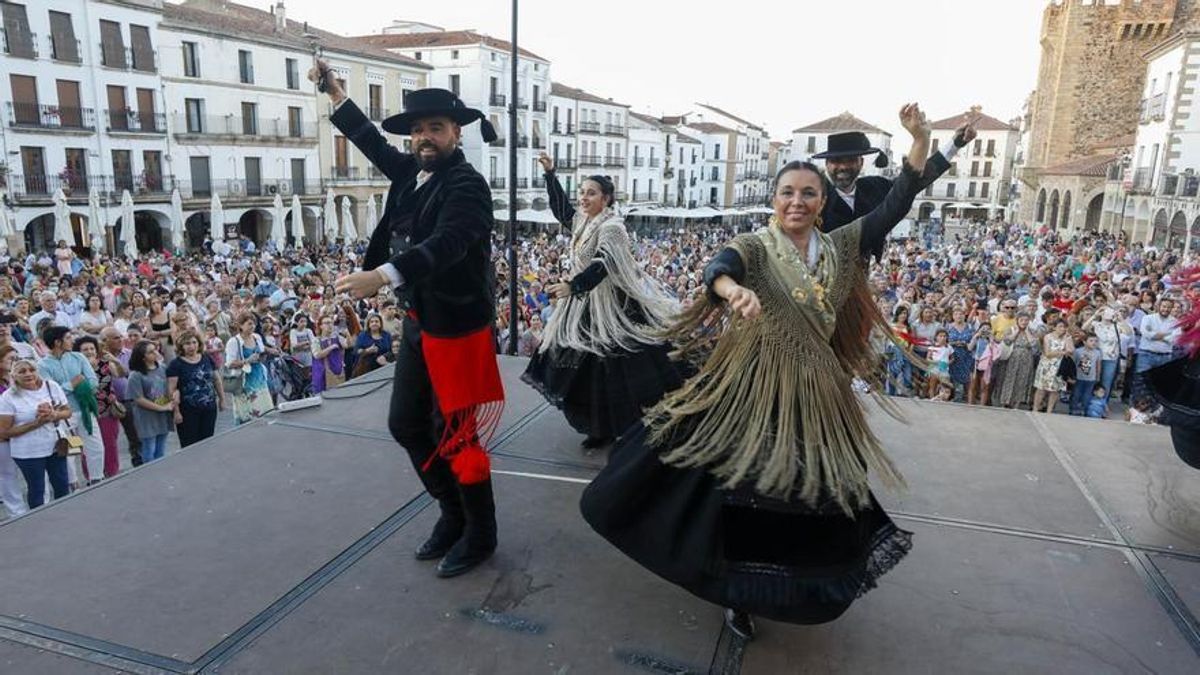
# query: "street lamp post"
x,y
512,192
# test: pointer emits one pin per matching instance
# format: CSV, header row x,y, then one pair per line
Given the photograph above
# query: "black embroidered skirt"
x,y
780,560
602,396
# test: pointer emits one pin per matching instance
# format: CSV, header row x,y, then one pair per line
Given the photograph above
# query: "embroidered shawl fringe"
x,y
769,409
599,321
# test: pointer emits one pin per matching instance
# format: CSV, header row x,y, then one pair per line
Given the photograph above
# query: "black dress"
x,y
785,560
601,396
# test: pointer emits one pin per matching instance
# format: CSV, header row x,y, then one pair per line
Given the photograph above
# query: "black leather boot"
x,y
442,486
479,540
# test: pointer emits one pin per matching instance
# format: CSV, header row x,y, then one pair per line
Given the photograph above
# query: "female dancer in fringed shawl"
x,y
603,358
747,486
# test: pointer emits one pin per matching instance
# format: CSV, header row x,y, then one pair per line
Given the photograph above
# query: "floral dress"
x,y
255,399
1047,378
964,361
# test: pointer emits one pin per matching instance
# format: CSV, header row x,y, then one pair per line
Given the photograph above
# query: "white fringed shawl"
x,y
597,321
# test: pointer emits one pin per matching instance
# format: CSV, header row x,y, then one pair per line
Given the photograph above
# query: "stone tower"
x,y
1092,74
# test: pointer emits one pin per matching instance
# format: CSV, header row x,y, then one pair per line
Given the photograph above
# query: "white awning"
x,y
545,217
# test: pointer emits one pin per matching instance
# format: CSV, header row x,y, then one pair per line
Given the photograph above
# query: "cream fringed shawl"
x,y
598,321
773,405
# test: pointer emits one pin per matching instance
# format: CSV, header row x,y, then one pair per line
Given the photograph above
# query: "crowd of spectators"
x,y
991,314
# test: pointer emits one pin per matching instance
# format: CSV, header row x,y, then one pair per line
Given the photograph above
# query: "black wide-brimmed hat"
x,y
424,103
851,144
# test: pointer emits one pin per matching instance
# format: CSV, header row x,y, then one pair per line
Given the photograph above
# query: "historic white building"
x,y
83,110
647,160
979,182
685,159
592,137
476,67
1157,202
814,138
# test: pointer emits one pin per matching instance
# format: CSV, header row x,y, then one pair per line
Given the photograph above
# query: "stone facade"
x,y
1092,76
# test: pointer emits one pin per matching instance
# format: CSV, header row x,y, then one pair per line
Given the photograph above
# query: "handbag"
x,y
234,379
67,441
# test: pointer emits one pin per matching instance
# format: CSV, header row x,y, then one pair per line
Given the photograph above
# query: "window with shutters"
x,y
191,60
143,50
112,45
293,73
245,66
63,45
249,118
18,40
194,107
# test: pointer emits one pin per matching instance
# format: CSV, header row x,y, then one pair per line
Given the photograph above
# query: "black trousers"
x,y
414,418
197,425
135,443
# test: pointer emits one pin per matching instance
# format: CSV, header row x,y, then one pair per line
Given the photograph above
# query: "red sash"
x,y
470,395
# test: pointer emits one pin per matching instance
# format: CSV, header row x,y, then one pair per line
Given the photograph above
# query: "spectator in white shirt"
x,y
1159,331
51,310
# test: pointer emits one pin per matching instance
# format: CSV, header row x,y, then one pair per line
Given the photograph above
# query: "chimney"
x,y
280,17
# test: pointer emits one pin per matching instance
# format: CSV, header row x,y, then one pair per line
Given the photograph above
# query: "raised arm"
x,y
560,203
880,221
350,120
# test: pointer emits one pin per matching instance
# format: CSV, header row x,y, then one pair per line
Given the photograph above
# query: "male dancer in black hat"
x,y
852,197
433,246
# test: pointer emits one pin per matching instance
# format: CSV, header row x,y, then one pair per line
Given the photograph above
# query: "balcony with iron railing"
x,y
65,50
1168,185
567,163
1154,108
376,114
19,44
498,100
589,127
522,183
522,103
51,117
232,127
614,130
539,106
126,58
498,183
1142,179
1189,186
134,121
41,187
539,181
539,143
522,141
590,160
344,174
655,162
639,162
500,142
645,196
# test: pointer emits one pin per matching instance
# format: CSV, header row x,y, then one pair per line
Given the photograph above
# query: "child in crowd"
x,y
1087,373
213,346
939,362
945,392
1142,412
1098,406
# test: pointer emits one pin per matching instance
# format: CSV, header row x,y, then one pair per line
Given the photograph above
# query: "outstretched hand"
x,y
332,88
546,162
914,121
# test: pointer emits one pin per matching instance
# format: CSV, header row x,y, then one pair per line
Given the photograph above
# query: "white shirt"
x,y
1153,324
21,405
57,318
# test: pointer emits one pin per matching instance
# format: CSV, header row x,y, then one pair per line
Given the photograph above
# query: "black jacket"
x,y
869,192
447,267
